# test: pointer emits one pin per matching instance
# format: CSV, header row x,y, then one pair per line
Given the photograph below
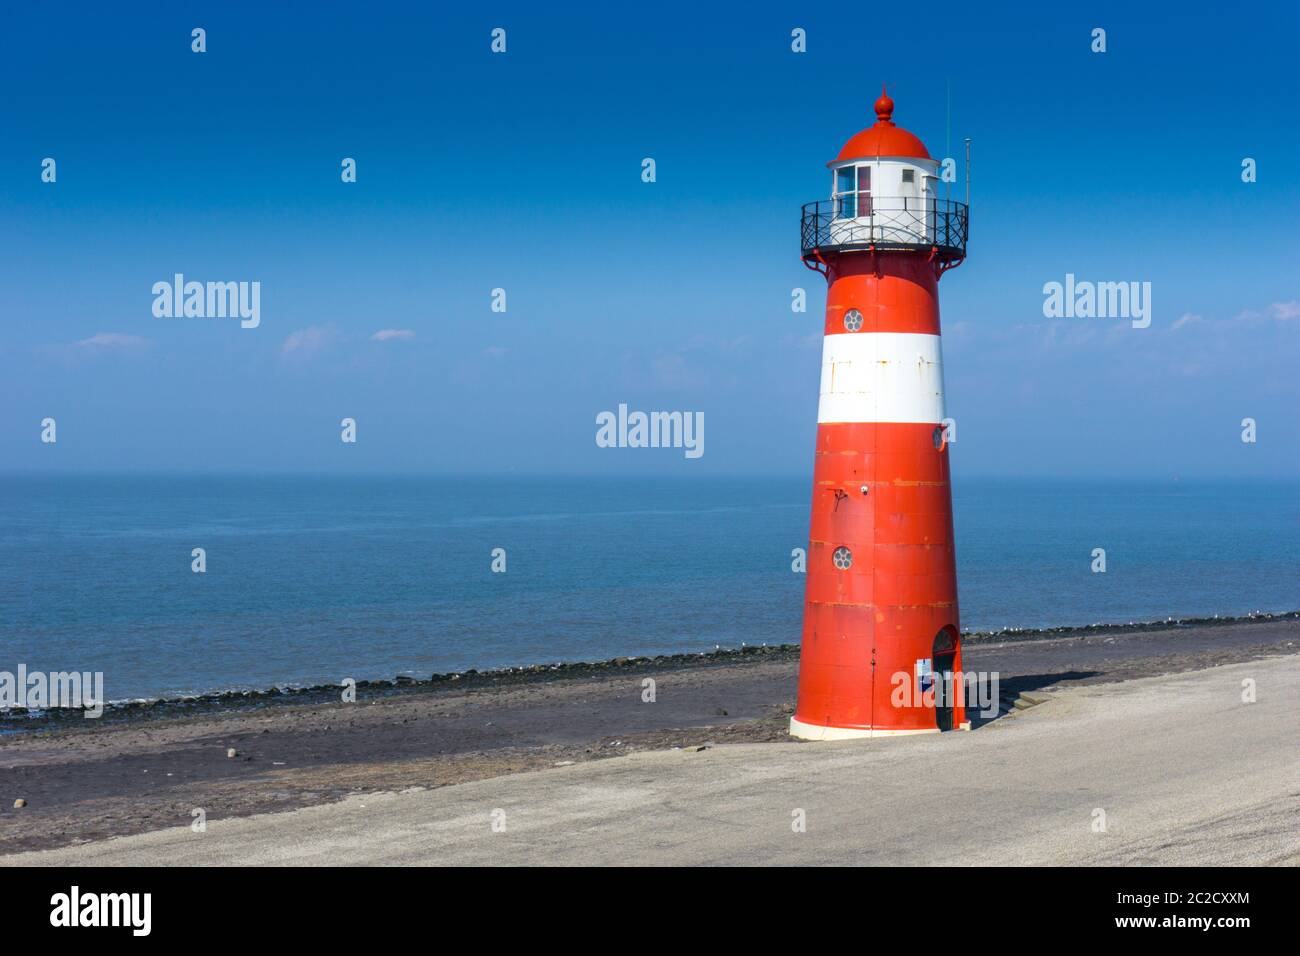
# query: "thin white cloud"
x,y
308,341
1277,311
384,335
111,340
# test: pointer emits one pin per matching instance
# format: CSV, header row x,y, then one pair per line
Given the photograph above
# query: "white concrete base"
x,y
817,732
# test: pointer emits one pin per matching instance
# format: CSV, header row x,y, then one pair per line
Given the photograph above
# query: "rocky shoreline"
x,y
19,719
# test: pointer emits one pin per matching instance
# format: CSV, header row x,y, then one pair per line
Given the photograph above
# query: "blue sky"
x,y
522,171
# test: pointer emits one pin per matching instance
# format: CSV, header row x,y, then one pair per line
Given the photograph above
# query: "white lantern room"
x,y
884,187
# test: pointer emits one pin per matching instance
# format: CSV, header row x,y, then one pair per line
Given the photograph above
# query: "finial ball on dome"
x,y
884,106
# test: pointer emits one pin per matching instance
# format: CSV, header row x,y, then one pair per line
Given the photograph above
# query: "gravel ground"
x,y
1171,770
89,780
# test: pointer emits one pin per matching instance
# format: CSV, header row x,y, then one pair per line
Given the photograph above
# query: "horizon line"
x,y
675,476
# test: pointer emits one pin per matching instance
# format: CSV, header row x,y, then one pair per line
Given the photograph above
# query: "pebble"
x,y
19,803
232,753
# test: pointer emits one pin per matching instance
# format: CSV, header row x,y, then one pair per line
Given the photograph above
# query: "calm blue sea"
x,y
311,580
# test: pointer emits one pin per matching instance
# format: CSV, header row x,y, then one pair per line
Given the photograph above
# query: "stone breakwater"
x,y
15,719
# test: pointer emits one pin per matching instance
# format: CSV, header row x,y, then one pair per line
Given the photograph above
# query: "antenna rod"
x,y
947,141
968,172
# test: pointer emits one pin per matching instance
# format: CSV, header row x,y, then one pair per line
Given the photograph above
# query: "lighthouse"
x,y
881,632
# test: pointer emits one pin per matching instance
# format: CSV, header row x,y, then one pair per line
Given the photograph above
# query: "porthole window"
x,y
843,558
853,320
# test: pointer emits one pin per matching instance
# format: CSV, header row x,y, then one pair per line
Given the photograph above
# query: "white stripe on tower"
x,y
881,377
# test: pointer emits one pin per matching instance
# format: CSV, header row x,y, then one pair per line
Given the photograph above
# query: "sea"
x,y
311,580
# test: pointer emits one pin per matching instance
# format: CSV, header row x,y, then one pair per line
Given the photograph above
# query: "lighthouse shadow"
x,y
1019,693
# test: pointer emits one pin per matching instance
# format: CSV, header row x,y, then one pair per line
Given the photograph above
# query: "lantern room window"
x,y
845,193
852,192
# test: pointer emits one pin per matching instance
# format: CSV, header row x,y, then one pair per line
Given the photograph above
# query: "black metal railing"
x,y
941,225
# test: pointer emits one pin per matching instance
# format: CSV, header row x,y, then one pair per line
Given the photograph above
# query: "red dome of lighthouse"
x,y
883,139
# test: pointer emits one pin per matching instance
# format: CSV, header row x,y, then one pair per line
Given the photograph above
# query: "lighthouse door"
x,y
945,658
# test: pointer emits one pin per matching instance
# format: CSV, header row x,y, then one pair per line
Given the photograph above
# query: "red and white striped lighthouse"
x,y
880,613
